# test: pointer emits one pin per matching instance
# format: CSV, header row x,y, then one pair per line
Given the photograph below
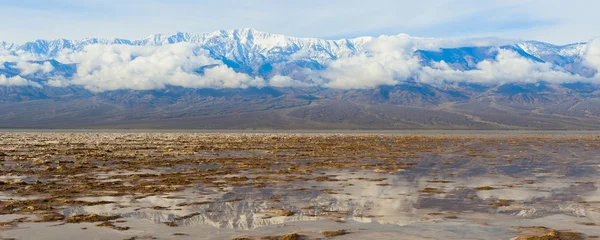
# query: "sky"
x,y
554,21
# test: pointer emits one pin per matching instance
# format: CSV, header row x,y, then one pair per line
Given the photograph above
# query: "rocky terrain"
x,y
408,106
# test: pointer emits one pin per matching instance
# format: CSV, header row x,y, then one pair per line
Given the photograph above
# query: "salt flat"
x,y
354,185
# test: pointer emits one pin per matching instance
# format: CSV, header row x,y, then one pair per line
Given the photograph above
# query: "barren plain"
x,y
120,185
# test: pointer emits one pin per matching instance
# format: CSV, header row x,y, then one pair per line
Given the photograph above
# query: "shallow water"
x,y
482,188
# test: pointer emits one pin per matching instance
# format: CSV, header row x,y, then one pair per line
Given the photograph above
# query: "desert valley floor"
x,y
449,185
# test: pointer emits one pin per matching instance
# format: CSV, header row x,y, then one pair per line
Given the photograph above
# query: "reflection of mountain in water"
x,y
237,215
360,198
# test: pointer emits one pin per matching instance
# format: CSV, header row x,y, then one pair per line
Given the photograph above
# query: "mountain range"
x,y
253,50
31,97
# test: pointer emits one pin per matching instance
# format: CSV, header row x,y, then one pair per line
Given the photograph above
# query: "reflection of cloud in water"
x,y
519,194
593,196
362,196
359,200
504,187
390,201
541,211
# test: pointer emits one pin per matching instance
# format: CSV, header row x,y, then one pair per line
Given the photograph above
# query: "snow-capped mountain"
x,y
242,45
247,45
255,52
543,50
7,46
569,57
245,78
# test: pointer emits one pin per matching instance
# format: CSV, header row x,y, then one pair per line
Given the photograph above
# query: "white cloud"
x,y
112,67
507,67
592,56
9,56
16,81
28,68
285,81
58,81
224,77
386,60
389,60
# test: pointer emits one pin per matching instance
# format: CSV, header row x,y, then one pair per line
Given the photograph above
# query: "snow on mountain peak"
x,y
257,41
253,50
542,49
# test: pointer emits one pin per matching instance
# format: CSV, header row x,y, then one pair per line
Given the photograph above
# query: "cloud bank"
x,y
28,68
385,61
389,60
112,67
16,81
9,56
592,56
508,66
285,81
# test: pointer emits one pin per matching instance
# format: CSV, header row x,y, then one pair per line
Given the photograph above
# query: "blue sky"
x,y
555,21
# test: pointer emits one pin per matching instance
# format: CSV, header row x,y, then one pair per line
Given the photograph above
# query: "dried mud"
x,y
51,176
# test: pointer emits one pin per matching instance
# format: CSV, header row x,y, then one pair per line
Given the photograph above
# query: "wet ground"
x,y
299,186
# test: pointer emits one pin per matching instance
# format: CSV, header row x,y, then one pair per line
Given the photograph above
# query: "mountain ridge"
x,y
43,100
266,55
49,48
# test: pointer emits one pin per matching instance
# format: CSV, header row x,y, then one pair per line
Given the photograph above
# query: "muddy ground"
x,y
299,186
